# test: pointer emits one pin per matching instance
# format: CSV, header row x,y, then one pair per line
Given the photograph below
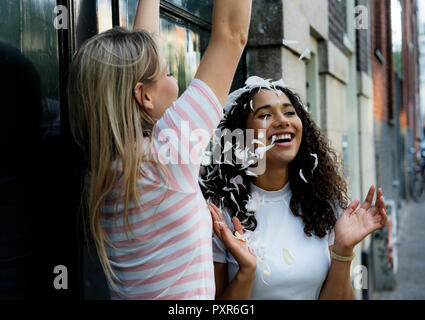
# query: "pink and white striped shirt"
x,y
171,258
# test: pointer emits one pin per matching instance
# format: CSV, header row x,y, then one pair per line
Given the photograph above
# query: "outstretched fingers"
x,y
379,206
380,203
379,194
369,198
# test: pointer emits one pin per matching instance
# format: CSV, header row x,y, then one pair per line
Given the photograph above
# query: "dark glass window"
x,y
196,8
182,43
90,18
182,46
199,8
37,227
28,27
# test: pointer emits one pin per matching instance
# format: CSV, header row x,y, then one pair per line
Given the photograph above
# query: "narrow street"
x,y
410,278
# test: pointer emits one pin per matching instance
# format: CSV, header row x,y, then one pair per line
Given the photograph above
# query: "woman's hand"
x,y
352,227
237,247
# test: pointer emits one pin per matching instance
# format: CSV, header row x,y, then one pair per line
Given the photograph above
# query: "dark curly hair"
x,y
315,202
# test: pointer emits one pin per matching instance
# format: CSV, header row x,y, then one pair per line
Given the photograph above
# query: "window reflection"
x,y
180,44
200,8
182,48
127,13
32,170
396,28
92,17
104,11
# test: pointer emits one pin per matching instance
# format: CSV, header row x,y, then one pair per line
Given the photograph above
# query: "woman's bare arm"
x,y
351,228
228,39
338,285
147,16
239,289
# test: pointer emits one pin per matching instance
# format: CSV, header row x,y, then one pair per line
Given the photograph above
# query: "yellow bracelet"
x,y
341,258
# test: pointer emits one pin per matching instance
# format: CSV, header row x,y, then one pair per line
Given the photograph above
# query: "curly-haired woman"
x,y
288,220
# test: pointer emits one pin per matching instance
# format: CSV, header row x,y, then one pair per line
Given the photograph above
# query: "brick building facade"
x,y
382,60
410,88
394,64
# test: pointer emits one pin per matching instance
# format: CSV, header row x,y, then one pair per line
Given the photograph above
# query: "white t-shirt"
x,y
293,266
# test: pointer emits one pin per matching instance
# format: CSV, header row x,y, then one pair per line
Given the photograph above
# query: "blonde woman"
x,y
148,217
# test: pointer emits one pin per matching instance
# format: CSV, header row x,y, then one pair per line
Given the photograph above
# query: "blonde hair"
x,y
108,123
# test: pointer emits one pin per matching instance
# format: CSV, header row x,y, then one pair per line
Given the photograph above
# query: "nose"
x,y
281,122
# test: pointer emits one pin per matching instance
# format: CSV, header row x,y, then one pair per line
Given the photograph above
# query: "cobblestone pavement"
x,y
410,277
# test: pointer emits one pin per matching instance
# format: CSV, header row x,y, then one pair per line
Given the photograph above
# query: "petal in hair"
x,y
316,161
255,81
260,151
232,197
227,146
280,83
250,173
302,176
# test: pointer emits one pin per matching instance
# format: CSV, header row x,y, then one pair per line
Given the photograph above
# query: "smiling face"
x,y
276,115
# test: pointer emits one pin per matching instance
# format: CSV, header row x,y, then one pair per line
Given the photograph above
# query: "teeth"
x,y
282,136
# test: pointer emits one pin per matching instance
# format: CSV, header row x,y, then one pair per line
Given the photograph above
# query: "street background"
x,y
410,277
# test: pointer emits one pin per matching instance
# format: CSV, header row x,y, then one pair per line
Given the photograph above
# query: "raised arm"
x,y
228,39
351,228
147,16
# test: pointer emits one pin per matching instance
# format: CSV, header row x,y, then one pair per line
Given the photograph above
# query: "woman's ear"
x,y
142,96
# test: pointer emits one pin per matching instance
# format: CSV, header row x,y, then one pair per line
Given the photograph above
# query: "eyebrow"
x,y
267,106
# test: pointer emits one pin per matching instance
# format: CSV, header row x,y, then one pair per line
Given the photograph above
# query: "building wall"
x,y
421,44
268,56
382,69
337,22
409,109
386,126
410,65
384,97
363,41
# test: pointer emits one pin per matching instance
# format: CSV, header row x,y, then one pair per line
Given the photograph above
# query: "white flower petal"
x,y
227,146
302,176
316,161
305,54
287,256
288,42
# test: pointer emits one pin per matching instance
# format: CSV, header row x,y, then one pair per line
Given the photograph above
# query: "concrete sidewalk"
x,y
410,277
